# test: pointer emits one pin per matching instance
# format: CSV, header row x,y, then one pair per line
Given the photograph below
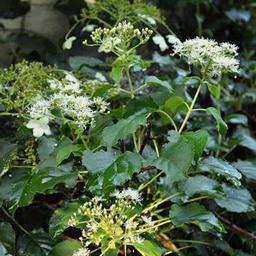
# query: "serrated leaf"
x,y
245,139
153,80
66,248
199,140
199,184
7,239
46,147
59,220
236,199
247,168
7,149
221,125
121,170
220,168
237,119
173,105
195,214
37,243
148,248
99,161
175,158
77,62
65,152
122,129
20,186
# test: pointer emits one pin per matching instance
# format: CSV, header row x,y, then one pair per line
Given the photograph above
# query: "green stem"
x,y
160,202
153,179
6,213
190,108
135,143
132,92
8,114
169,117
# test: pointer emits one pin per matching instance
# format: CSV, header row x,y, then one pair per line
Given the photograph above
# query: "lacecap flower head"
x,y
212,58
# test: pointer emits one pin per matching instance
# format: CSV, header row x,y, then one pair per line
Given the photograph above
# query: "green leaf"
x,y
117,70
214,90
37,243
67,45
7,150
237,119
148,248
236,200
195,214
77,62
66,248
175,158
46,147
199,140
245,139
19,187
65,152
220,167
7,239
121,170
59,220
153,80
173,105
247,168
99,161
199,184
221,125
238,15
122,129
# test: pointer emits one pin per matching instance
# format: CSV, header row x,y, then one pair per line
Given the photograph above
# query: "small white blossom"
x,y
173,39
100,77
39,109
82,252
147,220
160,41
210,56
128,193
39,126
135,238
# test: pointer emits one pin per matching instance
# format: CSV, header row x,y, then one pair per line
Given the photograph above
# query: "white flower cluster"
x,y
119,38
82,252
212,58
68,98
128,193
117,221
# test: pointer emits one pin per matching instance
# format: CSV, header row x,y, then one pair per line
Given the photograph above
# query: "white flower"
x,y
39,109
135,238
100,77
92,227
160,41
173,39
54,84
214,58
39,126
82,252
147,220
128,193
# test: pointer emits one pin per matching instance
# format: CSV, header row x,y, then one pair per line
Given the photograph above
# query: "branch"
x,y
236,228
